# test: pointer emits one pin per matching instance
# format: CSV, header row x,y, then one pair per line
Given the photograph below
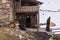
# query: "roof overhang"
x,y
38,2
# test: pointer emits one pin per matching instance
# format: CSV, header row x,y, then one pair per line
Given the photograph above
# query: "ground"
x,y
7,33
5,36
56,37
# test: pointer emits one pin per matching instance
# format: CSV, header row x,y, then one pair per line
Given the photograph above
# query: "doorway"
x,y
24,20
28,21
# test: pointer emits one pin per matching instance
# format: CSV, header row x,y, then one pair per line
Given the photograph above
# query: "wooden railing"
x,y
19,8
56,30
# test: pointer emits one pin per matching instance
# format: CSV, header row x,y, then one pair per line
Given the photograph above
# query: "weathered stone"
x,y
6,11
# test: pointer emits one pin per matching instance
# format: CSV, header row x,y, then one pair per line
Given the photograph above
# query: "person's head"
x,y
49,17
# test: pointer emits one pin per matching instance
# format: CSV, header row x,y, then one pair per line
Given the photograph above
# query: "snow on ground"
x,y
55,16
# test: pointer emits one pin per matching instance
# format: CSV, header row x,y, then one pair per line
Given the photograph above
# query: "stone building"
x,y
6,11
25,11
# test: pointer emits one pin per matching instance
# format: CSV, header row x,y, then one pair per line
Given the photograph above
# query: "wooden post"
x,y
38,17
38,21
20,2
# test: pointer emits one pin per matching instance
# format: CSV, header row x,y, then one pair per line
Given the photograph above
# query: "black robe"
x,y
48,25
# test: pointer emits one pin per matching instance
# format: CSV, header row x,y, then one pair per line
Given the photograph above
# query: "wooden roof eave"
x,y
38,2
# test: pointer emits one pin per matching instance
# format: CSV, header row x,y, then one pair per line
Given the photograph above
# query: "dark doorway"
x,y
28,21
17,0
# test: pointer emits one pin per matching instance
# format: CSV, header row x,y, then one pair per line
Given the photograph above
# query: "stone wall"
x,y
6,11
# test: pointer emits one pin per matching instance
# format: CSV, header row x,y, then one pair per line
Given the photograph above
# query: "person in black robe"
x,y
48,25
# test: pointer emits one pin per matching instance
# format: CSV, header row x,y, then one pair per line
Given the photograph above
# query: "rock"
x,y
6,11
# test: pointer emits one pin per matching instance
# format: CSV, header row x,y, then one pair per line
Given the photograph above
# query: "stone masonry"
x,y
6,11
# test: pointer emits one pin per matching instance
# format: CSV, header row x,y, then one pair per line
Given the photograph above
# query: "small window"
x,y
17,0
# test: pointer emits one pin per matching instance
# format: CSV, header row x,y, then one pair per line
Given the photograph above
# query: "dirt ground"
x,y
4,35
7,33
